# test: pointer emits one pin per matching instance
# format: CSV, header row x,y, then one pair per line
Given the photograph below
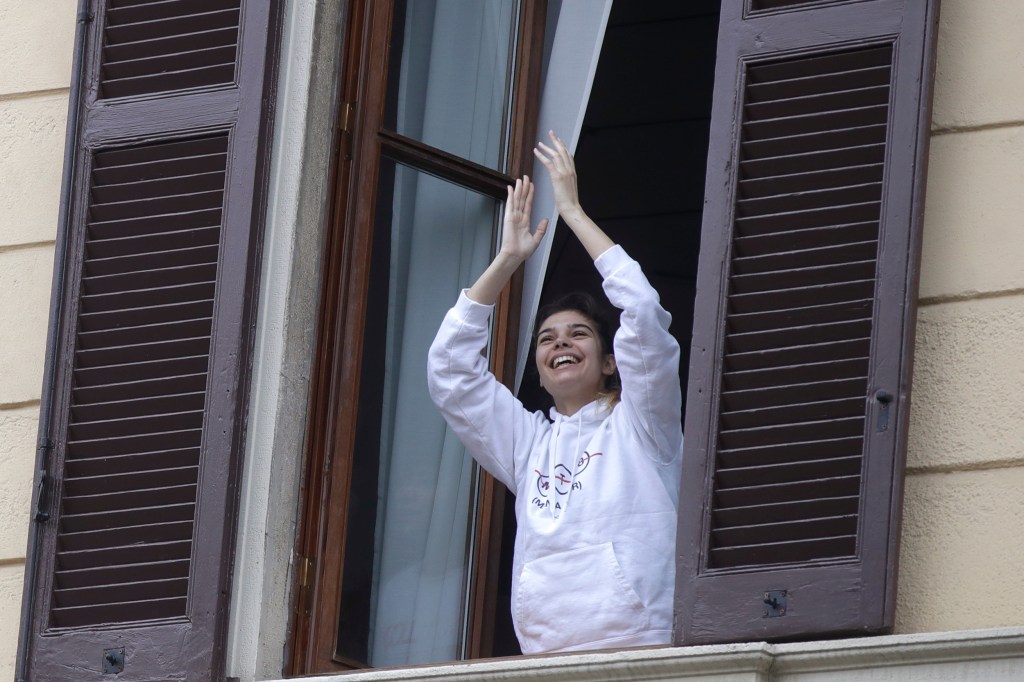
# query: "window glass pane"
x,y
449,73
405,564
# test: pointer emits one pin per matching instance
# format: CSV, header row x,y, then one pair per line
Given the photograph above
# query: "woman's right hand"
x,y
517,244
517,241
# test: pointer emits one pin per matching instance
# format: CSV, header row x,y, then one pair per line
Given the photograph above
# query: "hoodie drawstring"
x,y
558,506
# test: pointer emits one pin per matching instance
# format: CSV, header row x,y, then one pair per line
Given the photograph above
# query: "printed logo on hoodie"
x,y
563,481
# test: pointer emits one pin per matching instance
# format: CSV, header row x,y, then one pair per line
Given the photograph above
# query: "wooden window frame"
x,y
360,143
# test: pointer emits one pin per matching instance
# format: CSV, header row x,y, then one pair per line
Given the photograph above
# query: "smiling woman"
x,y
596,485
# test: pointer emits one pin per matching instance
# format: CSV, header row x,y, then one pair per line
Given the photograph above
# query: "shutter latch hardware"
x,y
884,399
42,487
304,569
775,604
113,661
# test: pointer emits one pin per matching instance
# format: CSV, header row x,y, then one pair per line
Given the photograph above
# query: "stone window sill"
x,y
995,655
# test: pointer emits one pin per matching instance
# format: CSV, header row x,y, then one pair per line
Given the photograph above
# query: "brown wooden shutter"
x,y
134,567
803,332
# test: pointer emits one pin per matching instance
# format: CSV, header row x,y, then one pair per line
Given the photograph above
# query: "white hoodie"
x,y
597,492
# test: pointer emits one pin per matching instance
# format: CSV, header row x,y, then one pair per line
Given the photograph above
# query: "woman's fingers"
x,y
541,156
563,151
552,156
557,142
555,158
519,203
521,196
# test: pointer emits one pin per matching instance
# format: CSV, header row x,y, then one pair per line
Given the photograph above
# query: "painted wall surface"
x,y
36,42
962,547
960,564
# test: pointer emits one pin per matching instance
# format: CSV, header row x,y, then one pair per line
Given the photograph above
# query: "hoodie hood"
x,y
594,411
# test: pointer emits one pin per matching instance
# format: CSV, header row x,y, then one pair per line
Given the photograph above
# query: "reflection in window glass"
x,y
449,75
406,557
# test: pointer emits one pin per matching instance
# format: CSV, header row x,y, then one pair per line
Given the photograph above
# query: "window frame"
x,y
360,143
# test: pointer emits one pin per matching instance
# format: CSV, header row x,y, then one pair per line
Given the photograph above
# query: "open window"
x,y
814,157
626,123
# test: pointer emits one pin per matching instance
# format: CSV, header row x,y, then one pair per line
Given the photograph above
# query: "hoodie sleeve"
x,y
493,425
646,354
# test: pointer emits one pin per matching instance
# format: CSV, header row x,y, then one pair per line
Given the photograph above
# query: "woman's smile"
x,y
563,360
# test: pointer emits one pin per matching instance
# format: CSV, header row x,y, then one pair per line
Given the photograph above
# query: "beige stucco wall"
x,y
962,541
36,41
962,545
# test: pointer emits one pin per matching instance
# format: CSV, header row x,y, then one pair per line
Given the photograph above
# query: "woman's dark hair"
x,y
588,306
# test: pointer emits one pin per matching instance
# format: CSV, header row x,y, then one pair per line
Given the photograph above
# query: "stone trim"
x,y
995,655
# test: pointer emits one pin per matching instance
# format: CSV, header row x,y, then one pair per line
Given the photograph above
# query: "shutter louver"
x,y
139,383
798,396
157,47
758,5
799,316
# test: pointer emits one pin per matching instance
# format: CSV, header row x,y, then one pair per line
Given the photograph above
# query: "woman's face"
x,y
571,363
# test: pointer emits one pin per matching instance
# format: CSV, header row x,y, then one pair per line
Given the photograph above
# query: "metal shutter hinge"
x,y
113,661
774,603
304,570
345,117
346,122
305,566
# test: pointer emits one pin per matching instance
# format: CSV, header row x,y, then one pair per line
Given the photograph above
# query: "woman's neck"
x,y
569,407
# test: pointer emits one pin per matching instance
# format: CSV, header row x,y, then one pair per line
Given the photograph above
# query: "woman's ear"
x,y
608,368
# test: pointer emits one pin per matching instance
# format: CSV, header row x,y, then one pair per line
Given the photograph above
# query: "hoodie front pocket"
x,y
576,597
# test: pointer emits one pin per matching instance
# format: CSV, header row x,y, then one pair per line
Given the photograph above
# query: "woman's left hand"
x,y
560,164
